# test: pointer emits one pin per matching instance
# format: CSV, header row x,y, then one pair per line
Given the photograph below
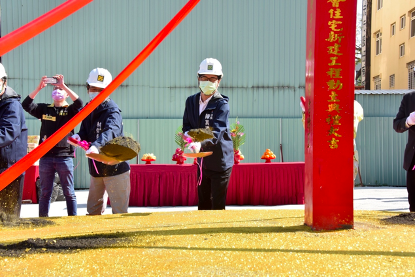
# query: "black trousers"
x,y
213,188
410,186
11,197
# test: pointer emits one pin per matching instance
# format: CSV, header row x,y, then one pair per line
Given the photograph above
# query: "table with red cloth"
x,y
266,184
29,188
250,184
163,185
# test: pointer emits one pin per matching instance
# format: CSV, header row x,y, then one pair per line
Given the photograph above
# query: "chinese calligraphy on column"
x,y
334,72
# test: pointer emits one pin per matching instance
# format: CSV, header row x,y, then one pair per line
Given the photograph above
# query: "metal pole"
x,y
282,156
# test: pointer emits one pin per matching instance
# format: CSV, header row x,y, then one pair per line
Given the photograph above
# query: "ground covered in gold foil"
x,y
209,243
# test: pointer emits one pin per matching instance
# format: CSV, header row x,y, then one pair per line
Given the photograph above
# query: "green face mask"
x,y
208,88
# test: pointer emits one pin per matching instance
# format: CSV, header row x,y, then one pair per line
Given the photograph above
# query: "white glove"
x,y
77,137
194,147
92,150
411,119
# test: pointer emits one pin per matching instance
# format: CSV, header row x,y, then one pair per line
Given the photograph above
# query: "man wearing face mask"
x,y
60,158
98,128
13,145
209,108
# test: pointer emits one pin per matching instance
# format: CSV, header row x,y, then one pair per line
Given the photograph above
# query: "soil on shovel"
x,y
121,148
199,135
405,218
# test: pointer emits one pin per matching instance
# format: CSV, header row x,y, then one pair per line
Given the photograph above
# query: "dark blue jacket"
x,y
99,127
216,116
13,130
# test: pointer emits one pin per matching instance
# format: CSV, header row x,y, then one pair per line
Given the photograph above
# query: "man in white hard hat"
x,y
98,128
209,108
13,145
60,158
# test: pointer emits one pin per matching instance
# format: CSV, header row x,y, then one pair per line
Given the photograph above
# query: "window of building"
x,y
377,82
403,17
413,24
378,36
393,29
392,81
411,75
380,4
402,50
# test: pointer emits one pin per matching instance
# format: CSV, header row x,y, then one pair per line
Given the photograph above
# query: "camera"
x,y
50,80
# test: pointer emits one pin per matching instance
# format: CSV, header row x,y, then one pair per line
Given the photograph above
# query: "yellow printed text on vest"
x,y
49,117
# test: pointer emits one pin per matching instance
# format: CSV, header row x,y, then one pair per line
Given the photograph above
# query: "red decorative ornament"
x,y
237,157
178,156
148,161
268,156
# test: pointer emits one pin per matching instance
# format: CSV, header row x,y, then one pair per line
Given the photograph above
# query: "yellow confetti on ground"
x,y
217,243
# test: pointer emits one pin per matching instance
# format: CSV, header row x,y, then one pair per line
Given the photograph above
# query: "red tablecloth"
x,y
29,189
250,184
163,185
267,184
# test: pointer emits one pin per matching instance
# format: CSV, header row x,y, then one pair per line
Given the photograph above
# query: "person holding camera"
x,y
13,145
60,158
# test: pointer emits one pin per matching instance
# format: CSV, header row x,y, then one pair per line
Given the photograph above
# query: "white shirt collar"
x,y
203,105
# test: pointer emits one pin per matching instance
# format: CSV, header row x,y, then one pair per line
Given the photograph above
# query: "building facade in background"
x,y
392,55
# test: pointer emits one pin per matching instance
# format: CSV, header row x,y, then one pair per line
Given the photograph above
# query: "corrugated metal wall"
x,y
380,148
261,45
381,152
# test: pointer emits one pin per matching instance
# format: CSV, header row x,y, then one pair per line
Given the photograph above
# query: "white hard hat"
x,y
2,71
210,66
99,77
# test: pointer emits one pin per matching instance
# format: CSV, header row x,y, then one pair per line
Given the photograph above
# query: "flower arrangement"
x,y
180,139
238,139
182,142
237,134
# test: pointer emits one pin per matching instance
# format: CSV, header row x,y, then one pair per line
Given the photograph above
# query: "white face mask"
x,y
58,95
208,88
92,95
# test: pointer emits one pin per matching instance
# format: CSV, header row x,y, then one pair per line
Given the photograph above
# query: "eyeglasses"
x,y
211,79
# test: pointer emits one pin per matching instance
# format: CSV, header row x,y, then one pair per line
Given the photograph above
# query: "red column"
x,y
331,30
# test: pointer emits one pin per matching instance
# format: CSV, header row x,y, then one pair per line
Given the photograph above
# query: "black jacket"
x,y
407,106
216,116
98,128
13,130
53,118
